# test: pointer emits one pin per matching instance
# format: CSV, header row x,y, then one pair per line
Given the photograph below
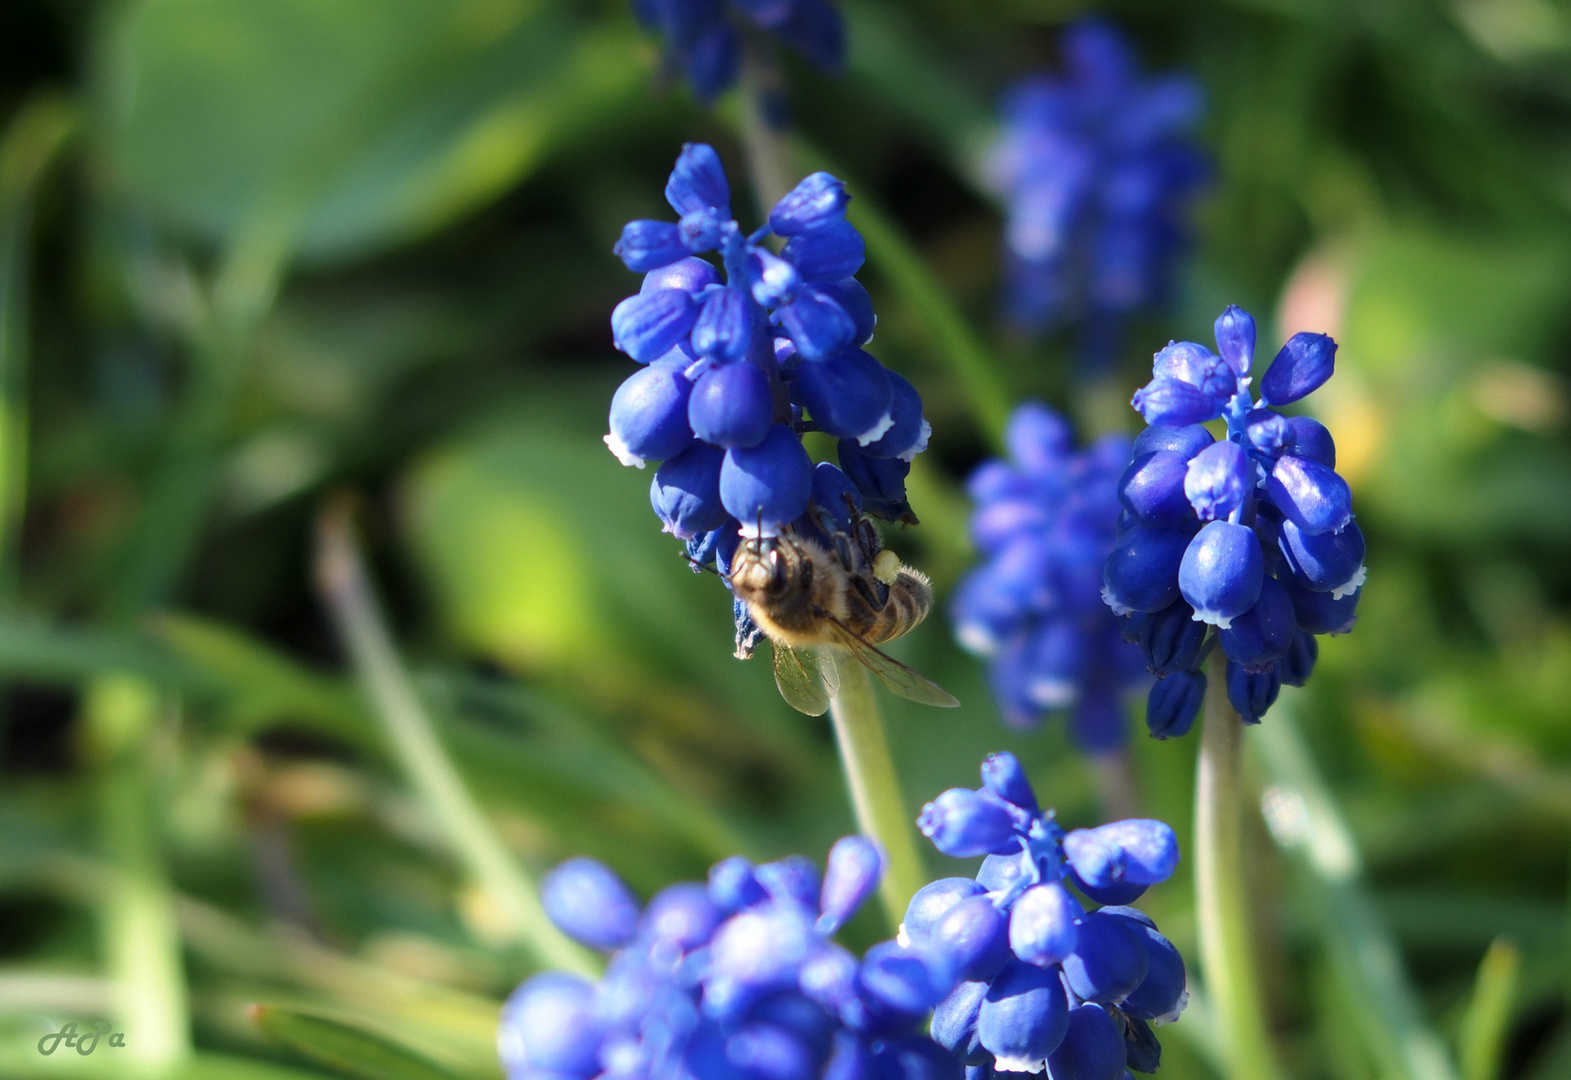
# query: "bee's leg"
x,y
841,542
869,590
868,539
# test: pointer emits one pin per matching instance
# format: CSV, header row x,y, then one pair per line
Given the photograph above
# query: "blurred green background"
x,y
254,252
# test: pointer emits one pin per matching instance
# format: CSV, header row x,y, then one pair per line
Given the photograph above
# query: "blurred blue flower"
x,y
734,979
1252,535
1044,523
1036,977
1098,170
704,38
744,356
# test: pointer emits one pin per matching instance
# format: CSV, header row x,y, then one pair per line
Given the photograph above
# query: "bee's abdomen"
x,y
910,599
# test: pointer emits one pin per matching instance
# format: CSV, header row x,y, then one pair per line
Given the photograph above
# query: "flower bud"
x,y
1044,925
1175,403
1038,438
1004,776
1310,494
1235,338
848,396
1303,365
1221,572
1109,960
971,939
1171,639
590,904
1324,562
1262,635
1140,851
1321,612
1173,704
1219,480
682,916
1152,488
908,429
767,486
732,405
901,983
854,301
1163,993
830,252
723,330
828,977
648,245
855,865
1058,655
733,885
710,62
705,230
685,494
1093,1047
963,823
1295,668
954,1023
646,325
1311,440
816,200
1000,873
1023,1017
698,181
649,416
793,879
1198,366
819,327
930,904
1251,693
1141,573
1122,893
690,274
1187,441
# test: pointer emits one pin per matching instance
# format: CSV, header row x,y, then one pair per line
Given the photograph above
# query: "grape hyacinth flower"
x,y
1044,523
741,358
738,978
1248,542
1098,171
1044,978
704,38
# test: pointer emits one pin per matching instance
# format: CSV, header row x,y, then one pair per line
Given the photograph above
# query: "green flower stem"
x,y
875,788
1221,897
141,937
767,148
346,589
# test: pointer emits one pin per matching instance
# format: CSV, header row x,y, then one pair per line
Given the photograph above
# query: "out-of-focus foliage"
x,y
255,251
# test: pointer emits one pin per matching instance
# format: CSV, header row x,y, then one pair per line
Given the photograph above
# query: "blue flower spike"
x,y
1098,169
745,351
1072,986
1267,552
736,978
1045,522
704,38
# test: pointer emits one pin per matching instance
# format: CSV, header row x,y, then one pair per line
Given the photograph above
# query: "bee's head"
x,y
767,568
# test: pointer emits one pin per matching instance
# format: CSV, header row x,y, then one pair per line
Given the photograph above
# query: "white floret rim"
x,y
615,444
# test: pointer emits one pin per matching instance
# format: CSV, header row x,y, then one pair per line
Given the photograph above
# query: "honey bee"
x,y
818,604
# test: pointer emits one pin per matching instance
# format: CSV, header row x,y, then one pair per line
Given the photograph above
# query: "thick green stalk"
x,y
767,148
1221,892
347,592
141,938
875,787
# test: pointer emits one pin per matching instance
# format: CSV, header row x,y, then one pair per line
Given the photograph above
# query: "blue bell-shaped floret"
x,y
1163,993
1268,432
854,301
646,325
681,917
832,251
1311,440
1142,572
1221,572
954,1023
732,405
1023,1016
971,939
648,417
1261,636
1321,612
733,885
817,324
911,1057
1251,693
550,1024
900,985
723,331
1140,851
1295,668
690,274
882,482
697,181
775,281
685,494
848,396
1093,1047
1004,776
931,902
1109,960
1171,639
1173,402
649,245
1198,366
908,429
1187,440
817,199
767,486
1044,924
1324,562
1152,488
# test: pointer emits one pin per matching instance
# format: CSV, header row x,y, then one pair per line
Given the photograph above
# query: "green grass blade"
x,y
1488,1017
347,1049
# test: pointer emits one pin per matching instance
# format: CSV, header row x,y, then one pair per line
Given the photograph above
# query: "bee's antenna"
x,y
697,566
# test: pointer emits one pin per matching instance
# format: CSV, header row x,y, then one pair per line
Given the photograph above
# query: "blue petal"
x,y
1219,480
685,492
647,325
1152,488
1093,1047
649,416
818,326
880,480
909,430
1221,572
848,396
1324,562
1109,960
1251,693
550,1024
963,823
649,245
1171,639
1024,1016
1038,439
1310,494
723,330
854,301
1188,440
1235,338
1044,925
1142,571
590,904
1004,776
817,200
971,940
767,486
1312,440
1174,703
690,273
698,181
1172,402
830,252
855,865
1198,366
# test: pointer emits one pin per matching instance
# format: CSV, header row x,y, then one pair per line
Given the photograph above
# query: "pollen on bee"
x,y
886,566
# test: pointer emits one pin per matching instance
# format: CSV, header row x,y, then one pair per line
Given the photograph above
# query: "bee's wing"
x,y
891,672
797,675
